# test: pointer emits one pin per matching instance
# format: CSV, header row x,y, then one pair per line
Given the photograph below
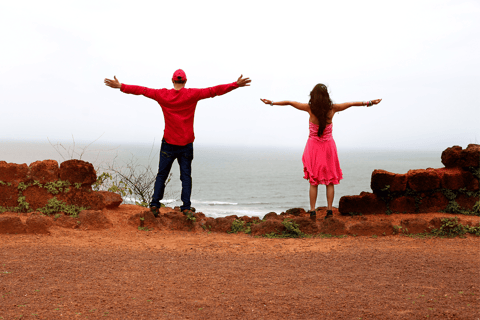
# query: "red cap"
x,y
179,75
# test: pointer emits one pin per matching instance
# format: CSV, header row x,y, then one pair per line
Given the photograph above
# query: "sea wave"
x,y
215,203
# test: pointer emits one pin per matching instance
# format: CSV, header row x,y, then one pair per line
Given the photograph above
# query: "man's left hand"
x,y
113,83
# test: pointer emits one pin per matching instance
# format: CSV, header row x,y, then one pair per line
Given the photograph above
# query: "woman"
x,y
320,159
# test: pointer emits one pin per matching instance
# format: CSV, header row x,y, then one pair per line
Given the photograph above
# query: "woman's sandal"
x,y
329,214
313,213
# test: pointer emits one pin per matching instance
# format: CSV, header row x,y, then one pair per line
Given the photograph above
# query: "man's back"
x,y
178,108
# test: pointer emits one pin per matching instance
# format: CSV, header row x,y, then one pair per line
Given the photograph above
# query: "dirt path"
x,y
131,274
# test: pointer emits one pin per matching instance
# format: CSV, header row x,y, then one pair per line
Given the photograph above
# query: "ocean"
x,y
242,181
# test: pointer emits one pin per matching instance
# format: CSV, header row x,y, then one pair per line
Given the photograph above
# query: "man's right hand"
x,y
113,83
243,82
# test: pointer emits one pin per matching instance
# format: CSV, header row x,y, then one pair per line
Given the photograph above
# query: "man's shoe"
x,y
191,210
329,214
154,211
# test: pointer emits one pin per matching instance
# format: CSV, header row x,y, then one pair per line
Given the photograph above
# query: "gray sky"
x,y
421,57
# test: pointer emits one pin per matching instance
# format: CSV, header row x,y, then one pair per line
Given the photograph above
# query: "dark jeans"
x,y
184,156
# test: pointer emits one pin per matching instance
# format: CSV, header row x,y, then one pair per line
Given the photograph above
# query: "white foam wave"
x,y
215,203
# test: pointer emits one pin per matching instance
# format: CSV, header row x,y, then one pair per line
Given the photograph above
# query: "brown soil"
x,y
125,273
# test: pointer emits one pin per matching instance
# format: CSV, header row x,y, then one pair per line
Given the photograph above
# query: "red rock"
x,y
365,203
451,157
180,222
12,225
8,196
466,202
295,212
83,198
78,171
44,171
37,197
14,173
306,225
423,180
220,224
64,221
148,221
94,220
415,225
435,202
332,226
110,199
38,223
471,183
471,156
381,179
451,178
267,227
272,215
367,228
403,204
435,223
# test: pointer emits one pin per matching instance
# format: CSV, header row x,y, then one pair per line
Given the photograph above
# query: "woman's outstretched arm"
x,y
298,105
343,106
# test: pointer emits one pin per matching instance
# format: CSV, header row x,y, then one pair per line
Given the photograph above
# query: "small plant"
x,y
451,228
375,236
397,229
237,226
54,205
292,228
143,228
58,215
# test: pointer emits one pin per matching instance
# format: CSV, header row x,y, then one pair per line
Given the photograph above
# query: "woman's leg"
x,y
330,195
313,196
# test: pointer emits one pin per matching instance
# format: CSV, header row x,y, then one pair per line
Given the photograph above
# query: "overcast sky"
x,y
421,57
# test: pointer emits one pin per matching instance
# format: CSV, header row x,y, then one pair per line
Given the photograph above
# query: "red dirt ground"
x,y
124,273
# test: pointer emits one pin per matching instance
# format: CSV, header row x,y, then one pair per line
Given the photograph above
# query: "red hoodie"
x,y
178,108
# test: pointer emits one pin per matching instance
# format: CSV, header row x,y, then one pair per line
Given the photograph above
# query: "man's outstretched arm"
x,y
224,88
137,90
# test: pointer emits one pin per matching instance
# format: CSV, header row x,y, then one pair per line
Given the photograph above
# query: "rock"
x,y
451,157
12,225
44,171
295,212
267,227
368,228
14,173
220,224
83,197
435,202
466,202
306,225
471,156
365,203
423,180
38,223
451,178
78,171
111,200
416,225
332,226
94,220
178,221
37,197
64,221
403,204
8,196
435,223
381,179
148,221
272,215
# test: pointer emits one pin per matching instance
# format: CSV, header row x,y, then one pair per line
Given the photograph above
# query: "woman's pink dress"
x,y
320,159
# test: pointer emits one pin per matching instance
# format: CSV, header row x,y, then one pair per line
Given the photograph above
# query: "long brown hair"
x,y
320,104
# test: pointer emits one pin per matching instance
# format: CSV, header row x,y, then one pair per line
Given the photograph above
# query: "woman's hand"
x,y
113,83
266,101
376,101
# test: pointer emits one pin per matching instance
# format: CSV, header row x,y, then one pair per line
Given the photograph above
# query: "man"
x,y
178,106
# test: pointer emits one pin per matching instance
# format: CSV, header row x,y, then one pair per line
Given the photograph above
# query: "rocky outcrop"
x,y
454,188
47,187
